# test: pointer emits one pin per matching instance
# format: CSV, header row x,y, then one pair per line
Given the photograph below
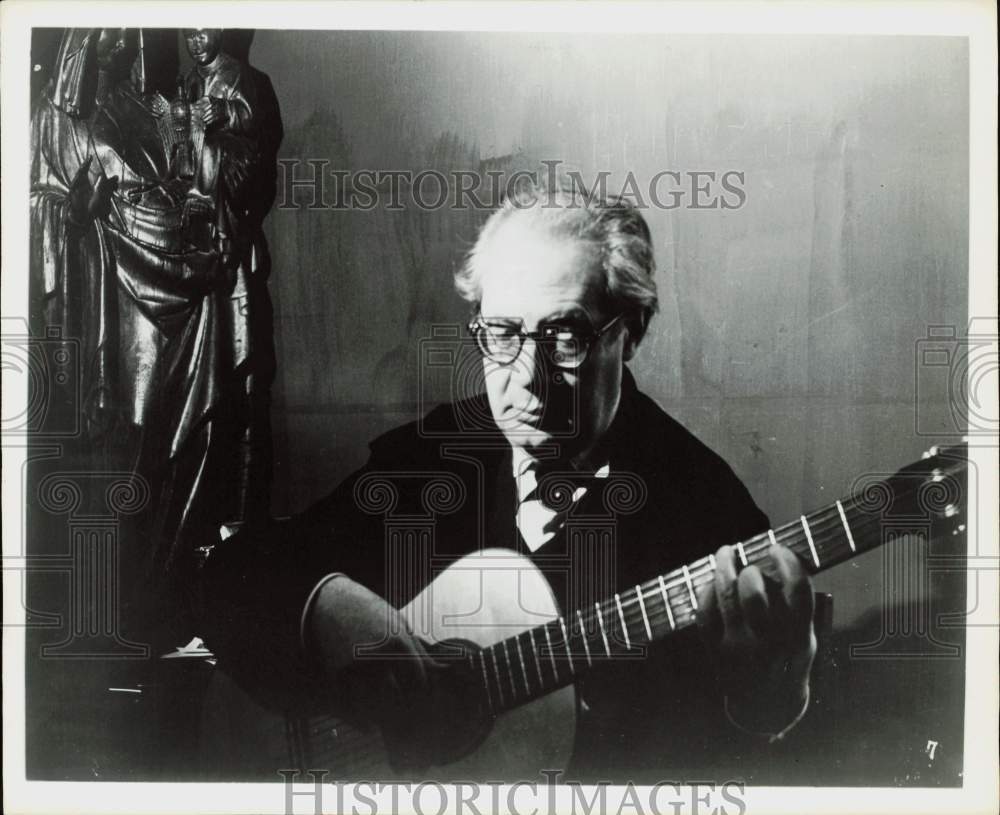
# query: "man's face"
x,y
534,279
203,44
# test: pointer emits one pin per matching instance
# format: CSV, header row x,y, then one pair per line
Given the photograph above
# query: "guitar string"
x,y
832,549
826,530
821,528
703,568
702,571
753,548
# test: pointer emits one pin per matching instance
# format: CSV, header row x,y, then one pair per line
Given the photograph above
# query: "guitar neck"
x,y
535,662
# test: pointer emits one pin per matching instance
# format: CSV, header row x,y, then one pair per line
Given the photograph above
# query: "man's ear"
x,y
630,345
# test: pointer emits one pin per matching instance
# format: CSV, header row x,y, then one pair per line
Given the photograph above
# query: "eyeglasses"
x,y
565,346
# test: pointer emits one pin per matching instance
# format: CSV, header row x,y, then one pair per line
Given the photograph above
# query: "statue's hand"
x,y
160,105
196,207
210,109
86,201
212,269
100,200
208,268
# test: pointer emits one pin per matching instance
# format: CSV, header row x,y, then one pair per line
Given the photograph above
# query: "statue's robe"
x,y
151,314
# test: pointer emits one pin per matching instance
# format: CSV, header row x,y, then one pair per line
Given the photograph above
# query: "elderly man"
x,y
563,292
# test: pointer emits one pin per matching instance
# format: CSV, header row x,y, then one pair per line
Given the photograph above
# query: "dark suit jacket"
x,y
437,489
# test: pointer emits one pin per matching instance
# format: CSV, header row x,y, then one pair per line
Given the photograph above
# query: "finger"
x,y
754,601
726,588
708,618
789,606
796,587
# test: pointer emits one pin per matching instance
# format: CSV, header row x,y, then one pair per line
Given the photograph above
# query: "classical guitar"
x,y
493,615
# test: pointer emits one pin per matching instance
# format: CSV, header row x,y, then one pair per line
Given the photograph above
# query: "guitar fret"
x,y
809,537
742,553
666,601
552,654
621,616
569,653
524,670
583,636
604,634
770,534
642,608
847,528
538,664
486,680
687,579
496,673
510,670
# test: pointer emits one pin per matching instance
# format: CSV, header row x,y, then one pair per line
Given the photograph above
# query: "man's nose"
x,y
529,367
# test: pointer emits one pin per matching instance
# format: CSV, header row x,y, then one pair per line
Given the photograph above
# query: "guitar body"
x,y
482,598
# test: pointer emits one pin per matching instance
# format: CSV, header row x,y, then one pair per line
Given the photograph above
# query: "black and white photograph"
x,y
537,408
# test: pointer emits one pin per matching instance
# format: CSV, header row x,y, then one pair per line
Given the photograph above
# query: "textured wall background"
x,y
786,338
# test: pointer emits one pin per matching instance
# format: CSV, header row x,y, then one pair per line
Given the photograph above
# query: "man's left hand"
x,y
759,624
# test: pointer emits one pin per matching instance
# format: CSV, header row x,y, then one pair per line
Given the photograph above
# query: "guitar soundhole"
x,y
465,716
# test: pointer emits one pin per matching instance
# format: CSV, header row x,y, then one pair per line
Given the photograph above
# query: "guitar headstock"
x,y
945,492
931,491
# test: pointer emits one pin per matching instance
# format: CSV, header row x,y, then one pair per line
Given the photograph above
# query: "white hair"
x,y
615,228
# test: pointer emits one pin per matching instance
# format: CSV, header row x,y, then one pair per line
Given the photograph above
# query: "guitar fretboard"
x,y
535,662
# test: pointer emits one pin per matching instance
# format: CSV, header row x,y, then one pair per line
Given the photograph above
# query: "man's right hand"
x,y
382,669
87,202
